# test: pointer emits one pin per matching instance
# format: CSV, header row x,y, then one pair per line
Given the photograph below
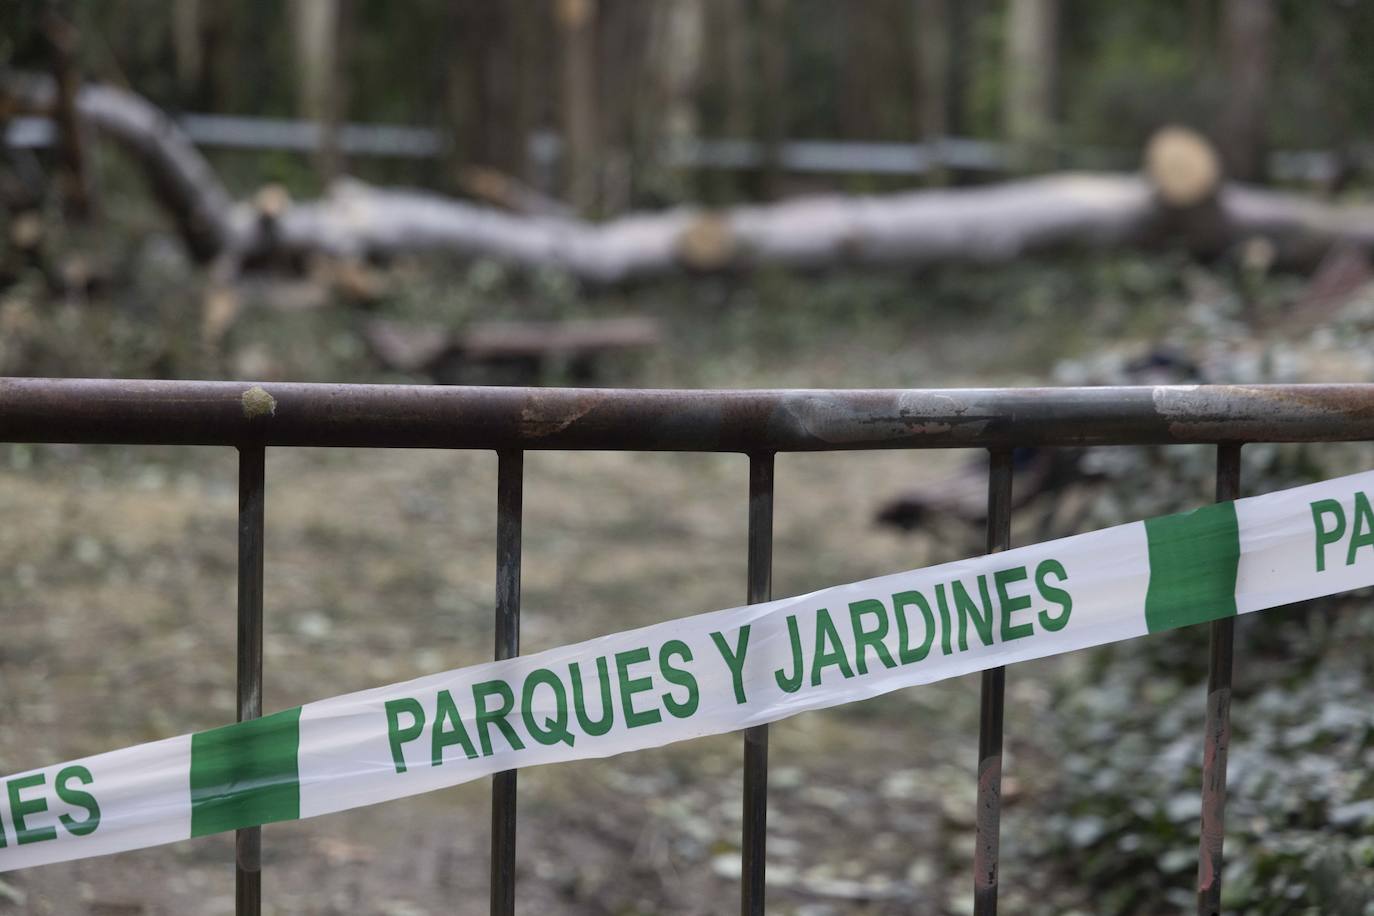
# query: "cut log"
x,y
1185,172
985,224
1182,167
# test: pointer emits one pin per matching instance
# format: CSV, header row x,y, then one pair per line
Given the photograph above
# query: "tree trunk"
x,y
577,26
1248,28
219,68
1333,126
932,76
316,27
679,66
533,73
666,118
963,63
74,178
729,85
1201,24
733,35
987,224
629,41
458,94
186,48
859,59
1030,76
770,109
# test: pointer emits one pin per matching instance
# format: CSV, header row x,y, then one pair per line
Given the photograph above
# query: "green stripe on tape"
x,y
1193,560
244,775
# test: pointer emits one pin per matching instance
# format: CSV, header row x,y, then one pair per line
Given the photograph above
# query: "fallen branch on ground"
x,y
1178,199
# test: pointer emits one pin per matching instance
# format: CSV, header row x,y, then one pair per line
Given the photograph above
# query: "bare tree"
x,y
186,46
681,36
74,178
1030,76
1247,35
1201,21
771,107
316,26
577,27
932,73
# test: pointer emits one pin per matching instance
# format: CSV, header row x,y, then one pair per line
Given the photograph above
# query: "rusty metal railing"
x,y
759,424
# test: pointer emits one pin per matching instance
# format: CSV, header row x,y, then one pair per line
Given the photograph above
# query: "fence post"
x,y
1217,737
989,814
248,842
753,855
509,498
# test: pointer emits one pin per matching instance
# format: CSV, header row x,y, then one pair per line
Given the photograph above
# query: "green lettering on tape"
x,y
829,649
78,799
1324,508
22,808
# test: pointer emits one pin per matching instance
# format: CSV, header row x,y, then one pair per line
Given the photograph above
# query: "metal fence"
x,y
760,424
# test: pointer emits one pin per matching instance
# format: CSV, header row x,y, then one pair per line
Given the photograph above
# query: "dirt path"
x,y
119,625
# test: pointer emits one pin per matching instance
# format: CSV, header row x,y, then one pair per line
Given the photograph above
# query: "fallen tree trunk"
x,y
986,224
183,182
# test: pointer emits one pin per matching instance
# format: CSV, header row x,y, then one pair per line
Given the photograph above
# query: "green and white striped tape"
x,y
701,675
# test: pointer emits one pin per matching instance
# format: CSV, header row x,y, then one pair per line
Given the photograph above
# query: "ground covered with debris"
x,y
118,608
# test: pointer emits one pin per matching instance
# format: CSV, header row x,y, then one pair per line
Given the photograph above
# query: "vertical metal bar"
x,y
989,814
510,477
248,843
1217,738
755,842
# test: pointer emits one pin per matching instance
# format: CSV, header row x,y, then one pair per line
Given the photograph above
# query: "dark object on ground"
x,y
1164,365
1035,471
964,496
520,351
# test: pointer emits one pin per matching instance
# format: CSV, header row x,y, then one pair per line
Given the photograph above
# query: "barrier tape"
x,y
700,675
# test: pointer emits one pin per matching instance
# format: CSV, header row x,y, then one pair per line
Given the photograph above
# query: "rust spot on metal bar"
x,y
1255,413
1214,752
989,813
544,416
248,851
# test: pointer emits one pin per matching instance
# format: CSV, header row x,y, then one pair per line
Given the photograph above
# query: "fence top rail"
x,y
752,421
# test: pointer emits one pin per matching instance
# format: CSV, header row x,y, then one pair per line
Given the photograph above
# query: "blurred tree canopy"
x,y
616,78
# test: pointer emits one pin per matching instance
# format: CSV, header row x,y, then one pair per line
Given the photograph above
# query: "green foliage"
x,y
850,72
1301,800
